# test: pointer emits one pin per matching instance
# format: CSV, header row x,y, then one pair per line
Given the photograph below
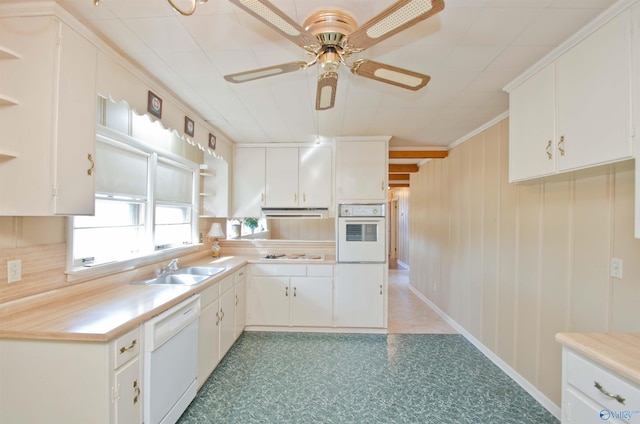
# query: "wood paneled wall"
x,y
514,264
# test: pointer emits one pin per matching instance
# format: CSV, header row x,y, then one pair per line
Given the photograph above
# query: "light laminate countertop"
x,y
100,312
620,352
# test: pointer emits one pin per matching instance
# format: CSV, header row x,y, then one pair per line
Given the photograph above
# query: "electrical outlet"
x,y
14,271
616,268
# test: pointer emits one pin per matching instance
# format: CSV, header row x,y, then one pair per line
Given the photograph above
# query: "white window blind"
x,y
121,171
174,184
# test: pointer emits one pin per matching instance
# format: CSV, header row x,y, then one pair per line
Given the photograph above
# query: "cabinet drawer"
x,y
126,347
280,270
579,409
240,274
210,295
319,270
226,284
583,375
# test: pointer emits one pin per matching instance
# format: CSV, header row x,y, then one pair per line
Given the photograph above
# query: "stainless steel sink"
x,y
189,276
201,270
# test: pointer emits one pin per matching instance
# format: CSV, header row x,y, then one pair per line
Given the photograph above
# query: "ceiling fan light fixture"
x,y
405,14
398,77
270,16
326,93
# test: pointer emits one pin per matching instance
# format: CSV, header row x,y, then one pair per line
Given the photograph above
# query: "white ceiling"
x,y
471,50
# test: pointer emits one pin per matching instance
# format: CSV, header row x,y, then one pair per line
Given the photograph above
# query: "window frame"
x,y
118,139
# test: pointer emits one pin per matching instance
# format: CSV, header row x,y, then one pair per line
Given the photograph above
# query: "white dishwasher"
x,y
171,362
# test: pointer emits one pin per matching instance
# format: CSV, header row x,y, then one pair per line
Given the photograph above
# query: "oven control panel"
x,y
375,210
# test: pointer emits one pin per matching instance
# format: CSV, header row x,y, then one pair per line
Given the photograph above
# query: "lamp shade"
x,y
216,231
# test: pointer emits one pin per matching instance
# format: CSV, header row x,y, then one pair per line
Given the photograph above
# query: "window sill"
x,y
88,273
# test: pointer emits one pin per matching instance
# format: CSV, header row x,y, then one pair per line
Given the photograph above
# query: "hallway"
x,y
407,313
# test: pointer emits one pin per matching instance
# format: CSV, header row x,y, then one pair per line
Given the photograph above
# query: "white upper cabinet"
x,y
47,136
362,168
299,177
282,177
576,112
248,181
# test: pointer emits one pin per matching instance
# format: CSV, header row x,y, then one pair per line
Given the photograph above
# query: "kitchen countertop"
x,y
620,352
90,312
100,312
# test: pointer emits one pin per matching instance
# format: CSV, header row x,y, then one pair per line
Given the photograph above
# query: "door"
x,y
360,295
227,321
311,301
128,401
248,182
268,301
315,182
282,177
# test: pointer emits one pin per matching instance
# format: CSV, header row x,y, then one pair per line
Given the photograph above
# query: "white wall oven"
x,y
362,233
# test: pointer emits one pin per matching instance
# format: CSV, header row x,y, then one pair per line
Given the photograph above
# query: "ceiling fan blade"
x,y
266,12
398,17
265,72
326,93
390,74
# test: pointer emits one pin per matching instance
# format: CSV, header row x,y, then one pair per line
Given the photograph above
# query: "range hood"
x,y
295,213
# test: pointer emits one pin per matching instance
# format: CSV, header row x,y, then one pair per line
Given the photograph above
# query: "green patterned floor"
x,y
360,378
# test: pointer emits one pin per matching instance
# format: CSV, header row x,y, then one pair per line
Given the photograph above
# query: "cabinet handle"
x,y
221,314
380,288
304,198
237,300
294,291
93,164
262,197
295,197
382,185
137,389
598,386
217,318
549,151
286,291
561,146
131,346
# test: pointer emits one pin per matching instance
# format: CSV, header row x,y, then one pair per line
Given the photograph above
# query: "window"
x,y
146,201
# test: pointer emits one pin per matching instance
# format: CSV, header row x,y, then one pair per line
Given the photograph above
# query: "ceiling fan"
x,y
331,36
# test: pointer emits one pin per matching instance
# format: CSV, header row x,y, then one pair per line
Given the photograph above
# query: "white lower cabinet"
x,y
594,394
290,295
360,295
71,382
240,281
222,310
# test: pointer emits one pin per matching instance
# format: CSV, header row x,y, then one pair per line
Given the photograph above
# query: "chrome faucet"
x,y
170,267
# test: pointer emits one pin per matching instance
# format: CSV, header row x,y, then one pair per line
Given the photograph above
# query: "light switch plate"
x,y
14,271
616,268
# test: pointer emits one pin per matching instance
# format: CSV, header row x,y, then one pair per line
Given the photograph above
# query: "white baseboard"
x,y
515,376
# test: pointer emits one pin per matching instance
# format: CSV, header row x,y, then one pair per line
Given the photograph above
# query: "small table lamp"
x,y
215,233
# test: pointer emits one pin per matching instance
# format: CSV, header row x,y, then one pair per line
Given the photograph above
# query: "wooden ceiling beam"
x,y
403,168
398,185
418,154
398,177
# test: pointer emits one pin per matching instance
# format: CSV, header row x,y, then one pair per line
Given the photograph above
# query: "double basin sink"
x,y
188,276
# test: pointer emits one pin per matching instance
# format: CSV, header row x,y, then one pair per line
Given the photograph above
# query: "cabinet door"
x,y
128,400
268,301
241,306
248,182
594,97
532,137
359,295
362,170
74,192
311,301
282,177
208,341
227,321
315,177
